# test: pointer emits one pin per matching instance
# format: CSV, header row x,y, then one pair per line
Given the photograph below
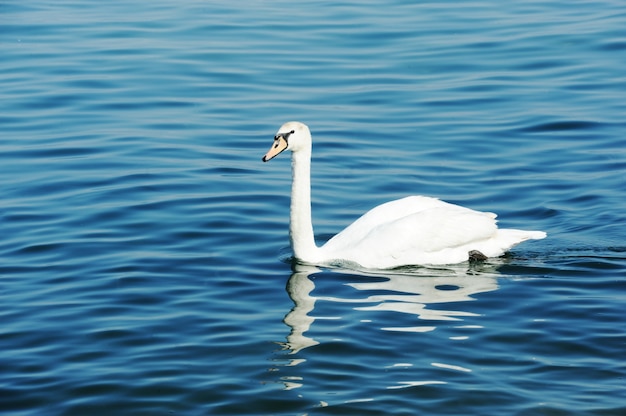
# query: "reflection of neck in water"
x,y
299,288
411,291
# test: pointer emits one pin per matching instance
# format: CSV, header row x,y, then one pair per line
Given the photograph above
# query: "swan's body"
x,y
415,230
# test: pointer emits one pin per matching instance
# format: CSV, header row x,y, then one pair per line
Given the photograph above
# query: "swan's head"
x,y
292,136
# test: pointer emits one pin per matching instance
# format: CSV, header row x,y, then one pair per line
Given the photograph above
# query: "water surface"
x,y
145,257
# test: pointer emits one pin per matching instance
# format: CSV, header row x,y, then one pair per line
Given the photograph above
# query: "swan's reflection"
x,y
413,291
299,288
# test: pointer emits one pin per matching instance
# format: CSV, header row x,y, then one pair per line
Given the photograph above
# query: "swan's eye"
x,y
284,136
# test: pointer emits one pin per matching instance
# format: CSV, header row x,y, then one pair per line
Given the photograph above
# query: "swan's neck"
x,y
300,224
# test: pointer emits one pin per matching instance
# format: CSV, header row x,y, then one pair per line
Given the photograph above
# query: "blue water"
x,y
145,263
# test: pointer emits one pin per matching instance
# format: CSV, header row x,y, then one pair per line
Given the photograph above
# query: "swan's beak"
x,y
279,145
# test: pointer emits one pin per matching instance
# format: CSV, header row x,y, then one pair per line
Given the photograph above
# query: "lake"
x,y
145,261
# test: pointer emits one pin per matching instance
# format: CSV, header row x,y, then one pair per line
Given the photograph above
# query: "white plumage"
x,y
416,230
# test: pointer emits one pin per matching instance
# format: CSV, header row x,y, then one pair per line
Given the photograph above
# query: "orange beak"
x,y
279,145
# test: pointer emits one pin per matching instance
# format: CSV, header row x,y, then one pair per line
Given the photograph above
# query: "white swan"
x,y
416,230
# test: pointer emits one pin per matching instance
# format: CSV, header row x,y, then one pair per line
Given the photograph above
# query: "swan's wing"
x,y
436,230
384,214
433,230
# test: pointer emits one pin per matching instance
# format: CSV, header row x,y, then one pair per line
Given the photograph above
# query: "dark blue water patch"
x,y
592,264
90,83
613,45
80,147
465,103
53,101
540,65
561,126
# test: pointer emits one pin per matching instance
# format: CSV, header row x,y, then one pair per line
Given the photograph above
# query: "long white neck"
x,y
300,224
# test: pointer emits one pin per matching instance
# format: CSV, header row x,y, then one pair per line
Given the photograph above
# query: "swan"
x,y
415,230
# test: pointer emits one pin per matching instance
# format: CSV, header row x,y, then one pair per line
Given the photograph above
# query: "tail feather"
x,y
532,235
509,238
